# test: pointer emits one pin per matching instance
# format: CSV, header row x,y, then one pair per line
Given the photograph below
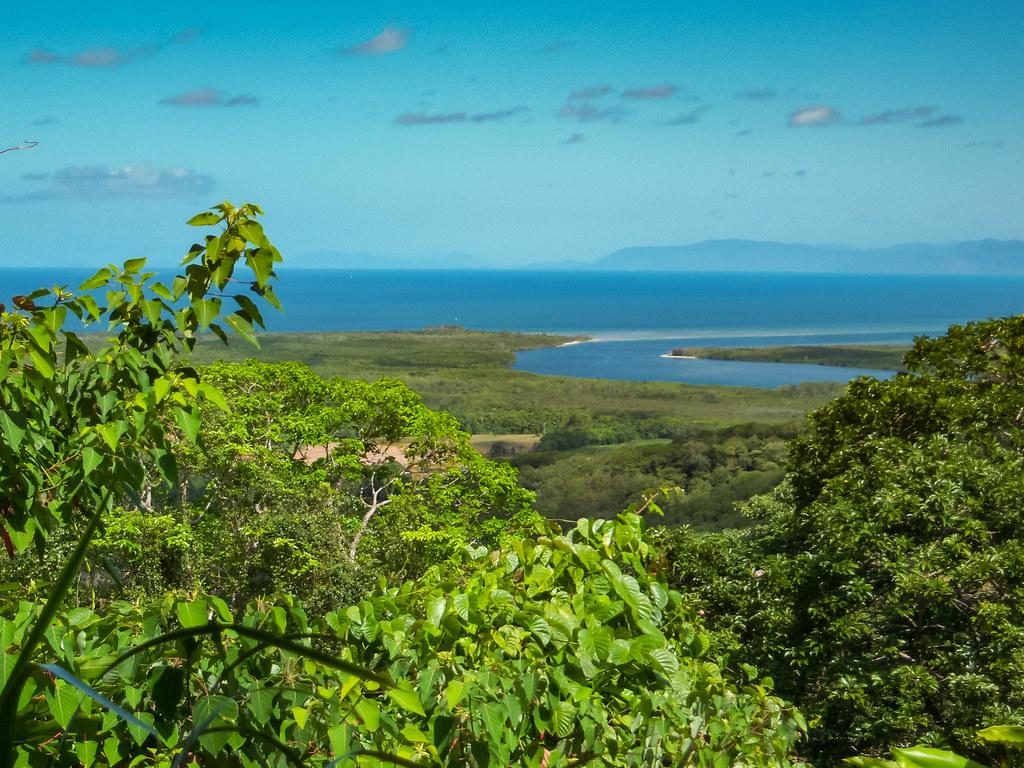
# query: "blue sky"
x,y
514,133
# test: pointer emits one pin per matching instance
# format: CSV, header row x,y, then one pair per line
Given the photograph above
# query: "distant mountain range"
x,y
363,260
976,257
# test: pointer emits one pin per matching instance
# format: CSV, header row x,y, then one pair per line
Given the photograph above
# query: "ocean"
x,y
631,310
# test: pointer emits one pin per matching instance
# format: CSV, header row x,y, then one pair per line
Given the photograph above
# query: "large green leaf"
x,y
1003,734
193,614
63,704
210,712
74,684
927,757
205,219
405,697
205,311
369,713
13,431
540,629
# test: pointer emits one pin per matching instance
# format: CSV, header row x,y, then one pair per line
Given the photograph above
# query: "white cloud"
x,y
651,93
588,113
105,57
390,40
209,97
818,114
941,121
424,118
94,182
200,97
897,116
687,118
593,92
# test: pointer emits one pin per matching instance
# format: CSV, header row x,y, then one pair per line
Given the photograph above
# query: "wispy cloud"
x,y
593,92
757,94
687,118
575,138
242,100
422,118
501,114
390,40
94,182
817,114
941,121
440,118
797,174
586,112
187,35
744,132
209,97
35,176
107,57
97,57
652,93
985,144
48,120
556,47
891,116
40,56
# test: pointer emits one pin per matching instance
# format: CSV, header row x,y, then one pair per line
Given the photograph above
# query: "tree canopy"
x,y
884,588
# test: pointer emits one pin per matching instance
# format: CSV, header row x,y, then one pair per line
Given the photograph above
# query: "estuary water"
x,y
645,360
638,316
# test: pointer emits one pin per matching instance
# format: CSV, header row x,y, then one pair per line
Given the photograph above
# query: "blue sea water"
x,y
633,309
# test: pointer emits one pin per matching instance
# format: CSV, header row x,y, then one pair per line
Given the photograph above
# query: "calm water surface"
x,y
641,360
678,309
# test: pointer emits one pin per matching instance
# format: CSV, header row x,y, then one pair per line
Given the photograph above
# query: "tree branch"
x,y
371,509
29,144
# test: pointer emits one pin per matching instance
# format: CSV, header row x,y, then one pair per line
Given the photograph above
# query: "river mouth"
x,y
649,360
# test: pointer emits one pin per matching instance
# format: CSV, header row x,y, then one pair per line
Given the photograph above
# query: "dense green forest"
x,y
255,563
715,468
587,428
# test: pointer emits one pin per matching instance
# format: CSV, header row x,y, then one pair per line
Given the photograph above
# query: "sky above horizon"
x,y
513,133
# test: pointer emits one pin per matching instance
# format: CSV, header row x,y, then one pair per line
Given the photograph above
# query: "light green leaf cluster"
x,y
561,650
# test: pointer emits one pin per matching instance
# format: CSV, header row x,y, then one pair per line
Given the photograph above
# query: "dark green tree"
x,y
885,589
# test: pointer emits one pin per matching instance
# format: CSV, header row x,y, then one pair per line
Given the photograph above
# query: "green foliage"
x,y
1010,736
879,357
552,650
884,591
560,650
84,429
490,640
184,680
316,488
467,374
715,467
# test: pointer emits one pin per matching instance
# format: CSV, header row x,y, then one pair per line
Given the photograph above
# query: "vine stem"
x,y
11,692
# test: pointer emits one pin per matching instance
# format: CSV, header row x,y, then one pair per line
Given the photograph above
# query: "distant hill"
x,y
363,260
977,257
